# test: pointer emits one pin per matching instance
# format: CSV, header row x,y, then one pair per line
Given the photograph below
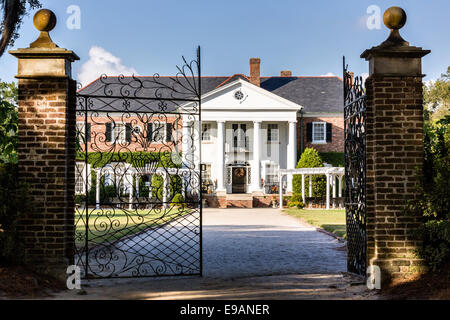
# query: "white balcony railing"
x,y
239,146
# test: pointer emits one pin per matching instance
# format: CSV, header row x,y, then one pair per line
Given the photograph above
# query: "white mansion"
x,y
251,127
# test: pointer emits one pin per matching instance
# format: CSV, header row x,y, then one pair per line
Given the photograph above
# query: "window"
x,y
272,133
319,131
81,177
240,138
206,132
159,131
82,130
271,174
119,133
206,173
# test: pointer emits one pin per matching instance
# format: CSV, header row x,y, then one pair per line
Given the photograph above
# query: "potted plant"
x,y
274,201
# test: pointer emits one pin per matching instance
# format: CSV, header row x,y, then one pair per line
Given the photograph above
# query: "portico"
x,y
247,134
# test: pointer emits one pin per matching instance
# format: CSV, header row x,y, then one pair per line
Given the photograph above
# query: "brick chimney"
x,y
286,73
352,76
255,74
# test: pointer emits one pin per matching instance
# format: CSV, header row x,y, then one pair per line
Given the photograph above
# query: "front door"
x,y
239,177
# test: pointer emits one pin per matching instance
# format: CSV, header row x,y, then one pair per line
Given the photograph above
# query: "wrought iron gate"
x,y
138,179
355,170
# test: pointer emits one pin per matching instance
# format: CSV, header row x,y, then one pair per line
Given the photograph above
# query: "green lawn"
x,y
329,220
110,224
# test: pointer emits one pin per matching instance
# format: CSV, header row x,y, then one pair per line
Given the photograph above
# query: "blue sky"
x,y
307,37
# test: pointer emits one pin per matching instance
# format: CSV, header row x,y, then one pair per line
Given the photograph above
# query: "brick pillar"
x,y
394,149
46,149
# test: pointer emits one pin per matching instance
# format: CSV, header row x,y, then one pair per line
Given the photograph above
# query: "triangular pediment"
x,y
242,95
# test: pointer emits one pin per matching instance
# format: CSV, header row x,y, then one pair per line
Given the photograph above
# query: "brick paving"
x,y
248,254
256,242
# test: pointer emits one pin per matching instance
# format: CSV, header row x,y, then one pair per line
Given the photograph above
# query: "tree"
x,y
437,98
310,159
8,122
13,12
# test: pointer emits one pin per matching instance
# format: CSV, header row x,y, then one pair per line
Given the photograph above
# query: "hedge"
x,y
14,200
336,159
310,159
136,159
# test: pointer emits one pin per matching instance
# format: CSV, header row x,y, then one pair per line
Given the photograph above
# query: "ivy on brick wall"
x,y
101,159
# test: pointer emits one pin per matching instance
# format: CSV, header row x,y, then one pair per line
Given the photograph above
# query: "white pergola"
x,y
126,173
330,172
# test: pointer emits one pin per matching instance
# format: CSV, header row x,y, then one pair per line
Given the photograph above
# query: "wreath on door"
x,y
240,172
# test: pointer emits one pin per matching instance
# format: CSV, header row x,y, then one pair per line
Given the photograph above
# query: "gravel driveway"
x,y
248,254
255,242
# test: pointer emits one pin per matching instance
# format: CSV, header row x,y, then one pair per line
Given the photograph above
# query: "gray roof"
x,y
315,94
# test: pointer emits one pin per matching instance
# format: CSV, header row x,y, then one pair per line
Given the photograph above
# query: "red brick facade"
x,y
337,141
46,152
394,153
98,142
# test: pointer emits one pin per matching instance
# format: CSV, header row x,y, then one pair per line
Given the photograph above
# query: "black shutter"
x,y
149,131
169,132
329,132
88,132
128,132
309,132
108,132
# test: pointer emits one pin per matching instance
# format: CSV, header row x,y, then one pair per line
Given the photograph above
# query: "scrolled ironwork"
x,y
355,170
140,212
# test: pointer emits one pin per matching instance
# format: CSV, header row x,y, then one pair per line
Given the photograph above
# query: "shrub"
x,y
177,200
434,201
336,159
14,201
106,194
310,159
80,199
158,186
101,159
435,250
296,204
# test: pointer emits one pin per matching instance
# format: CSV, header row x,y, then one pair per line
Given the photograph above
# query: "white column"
x,y
310,191
165,191
328,192
137,186
130,195
291,151
220,155
183,186
280,180
303,188
333,185
150,187
340,187
187,140
256,168
310,186
97,189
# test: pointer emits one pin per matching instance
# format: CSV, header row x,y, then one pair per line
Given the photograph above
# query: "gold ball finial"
x,y
394,18
44,20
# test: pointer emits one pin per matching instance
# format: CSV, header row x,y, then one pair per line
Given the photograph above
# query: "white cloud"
x,y
429,82
329,74
364,76
102,62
